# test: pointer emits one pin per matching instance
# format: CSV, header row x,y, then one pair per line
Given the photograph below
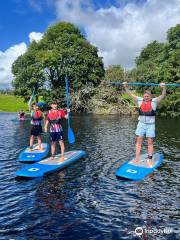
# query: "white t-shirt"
x,y
147,119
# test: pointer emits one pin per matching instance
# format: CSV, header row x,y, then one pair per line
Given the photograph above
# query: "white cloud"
x,y
6,59
9,56
36,5
121,32
35,36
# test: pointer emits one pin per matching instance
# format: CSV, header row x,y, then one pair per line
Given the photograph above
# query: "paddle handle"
x,y
146,84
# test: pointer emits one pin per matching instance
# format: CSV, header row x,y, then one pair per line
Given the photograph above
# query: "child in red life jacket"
x,y
21,115
36,126
54,118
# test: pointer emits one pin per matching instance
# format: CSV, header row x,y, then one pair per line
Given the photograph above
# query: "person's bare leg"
x,y
31,141
61,143
150,151
139,141
40,143
53,149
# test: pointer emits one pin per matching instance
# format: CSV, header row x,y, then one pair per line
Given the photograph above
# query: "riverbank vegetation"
x,y
64,51
11,103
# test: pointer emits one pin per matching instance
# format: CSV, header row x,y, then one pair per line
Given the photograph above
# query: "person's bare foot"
x,y
30,149
135,161
35,148
41,149
150,162
52,157
61,159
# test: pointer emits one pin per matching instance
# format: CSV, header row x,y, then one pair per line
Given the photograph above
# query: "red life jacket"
x,y
21,114
37,115
54,116
146,109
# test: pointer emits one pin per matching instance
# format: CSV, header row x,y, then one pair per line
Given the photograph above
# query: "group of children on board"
x,y
53,119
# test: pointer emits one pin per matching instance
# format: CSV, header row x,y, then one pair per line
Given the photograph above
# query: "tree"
x,y
62,51
173,37
114,73
28,73
150,52
160,62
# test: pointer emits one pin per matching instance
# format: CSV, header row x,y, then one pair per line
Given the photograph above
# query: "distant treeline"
x,y
64,51
7,91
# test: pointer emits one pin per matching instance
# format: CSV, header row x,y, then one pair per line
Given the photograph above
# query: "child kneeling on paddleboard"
x,y
36,126
146,125
54,118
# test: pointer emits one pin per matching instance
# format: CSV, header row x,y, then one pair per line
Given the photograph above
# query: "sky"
x,y
119,28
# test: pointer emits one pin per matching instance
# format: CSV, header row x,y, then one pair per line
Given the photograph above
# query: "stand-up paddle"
x,y
145,84
31,99
71,137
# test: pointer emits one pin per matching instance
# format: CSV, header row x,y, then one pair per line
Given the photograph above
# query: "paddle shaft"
x,y
71,137
31,99
67,100
146,84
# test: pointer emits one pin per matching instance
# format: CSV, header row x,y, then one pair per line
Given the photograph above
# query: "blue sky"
x,y
19,17
119,28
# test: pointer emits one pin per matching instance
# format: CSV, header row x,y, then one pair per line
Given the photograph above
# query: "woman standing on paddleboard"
x,y
146,125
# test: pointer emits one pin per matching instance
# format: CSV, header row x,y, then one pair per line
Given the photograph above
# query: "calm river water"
x,y
86,201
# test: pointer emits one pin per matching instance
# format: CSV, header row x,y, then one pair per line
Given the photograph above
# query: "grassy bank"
x,y
10,103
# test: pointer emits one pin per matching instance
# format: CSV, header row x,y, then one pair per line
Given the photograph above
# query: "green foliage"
x,y
81,98
28,73
114,73
173,37
108,99
99,97
105,94
152,51
171,105
62,51
160,62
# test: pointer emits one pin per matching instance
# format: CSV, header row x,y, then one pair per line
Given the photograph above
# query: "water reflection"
x,y
86,201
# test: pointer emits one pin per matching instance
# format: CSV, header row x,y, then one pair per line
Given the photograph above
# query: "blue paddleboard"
x,y
137,171
48,165
35,155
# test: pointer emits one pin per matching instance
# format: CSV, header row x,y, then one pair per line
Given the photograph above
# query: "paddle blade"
x,y
71,137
